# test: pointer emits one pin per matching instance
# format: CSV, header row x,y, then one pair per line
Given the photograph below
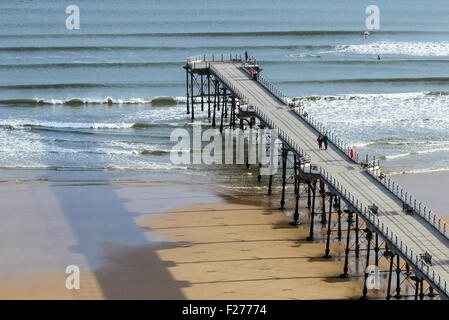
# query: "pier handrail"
x,y
417,207
372,219
319,127
412,256
229,85
268,85
405,197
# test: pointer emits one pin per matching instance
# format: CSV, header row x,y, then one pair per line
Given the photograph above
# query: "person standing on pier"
x,y
325,140
246,55
320,142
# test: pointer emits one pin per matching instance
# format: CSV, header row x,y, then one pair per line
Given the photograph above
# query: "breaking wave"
x,y
156,101
421,49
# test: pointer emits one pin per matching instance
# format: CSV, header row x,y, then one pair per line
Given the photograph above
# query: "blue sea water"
x,y
91,98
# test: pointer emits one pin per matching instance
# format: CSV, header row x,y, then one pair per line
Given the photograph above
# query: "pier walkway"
x,y
408,234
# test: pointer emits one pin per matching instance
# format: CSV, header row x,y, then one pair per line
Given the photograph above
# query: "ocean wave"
x,y
155,101
347,61
417,171
168,48
212,34
92,65
18,124
412,153
146,167
393,142
372,96
366,80
422,49
173,84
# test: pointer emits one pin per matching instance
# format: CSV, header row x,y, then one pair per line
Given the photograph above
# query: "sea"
x,y
108,95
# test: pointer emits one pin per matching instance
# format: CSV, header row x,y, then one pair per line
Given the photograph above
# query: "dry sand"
x,y
237,251
430,188
206,247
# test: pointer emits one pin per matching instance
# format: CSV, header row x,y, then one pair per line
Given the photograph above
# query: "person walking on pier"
x,y
325,140
320,142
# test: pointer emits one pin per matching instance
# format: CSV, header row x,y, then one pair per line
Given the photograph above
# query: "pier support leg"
x,y
431,292
208,95
357,245
416,287
376,250
270,182
187,89
323,200
390,275
327,251
368,239
339,219
297,186
232,121
192,99
216,100
284,174
223,110
309,195
225,102
348,239
312,212
398,278
421,290
407,269
202,93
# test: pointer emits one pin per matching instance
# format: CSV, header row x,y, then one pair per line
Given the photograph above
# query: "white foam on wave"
x,y
158,100
422,49
420,152
397,127
60,125
421,170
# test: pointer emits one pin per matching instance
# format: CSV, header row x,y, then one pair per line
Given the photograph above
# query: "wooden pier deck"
x,y
415,234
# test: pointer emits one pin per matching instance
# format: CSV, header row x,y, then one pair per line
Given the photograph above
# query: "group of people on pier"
x,y
322,139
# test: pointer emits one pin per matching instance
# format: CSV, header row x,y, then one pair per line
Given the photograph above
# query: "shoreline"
x,y
237,251
125,235
429,187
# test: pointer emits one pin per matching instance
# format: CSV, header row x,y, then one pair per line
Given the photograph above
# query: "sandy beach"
x,y
431,188
238,251
164,240
49,225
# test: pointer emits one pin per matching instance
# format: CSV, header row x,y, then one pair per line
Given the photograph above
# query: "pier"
x,y
354,193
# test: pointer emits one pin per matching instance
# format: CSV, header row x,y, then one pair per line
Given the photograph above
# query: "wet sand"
x,y
430,188
236,251
212,244
49,225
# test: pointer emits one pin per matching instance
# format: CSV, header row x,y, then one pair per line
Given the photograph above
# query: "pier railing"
x,y
319,127
406,198
412,256
413,204
409,202
236,91
407,252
